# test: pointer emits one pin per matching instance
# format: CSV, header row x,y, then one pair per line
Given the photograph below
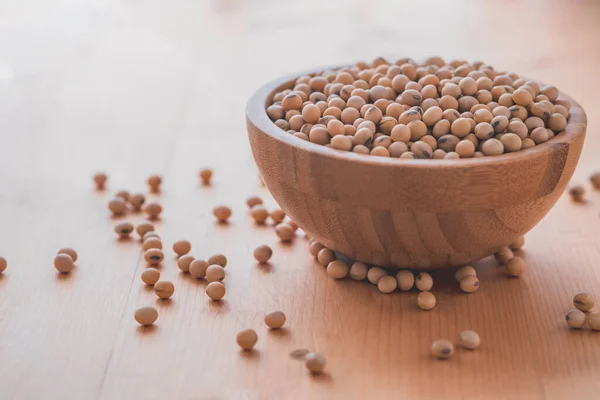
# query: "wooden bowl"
x,y
410,213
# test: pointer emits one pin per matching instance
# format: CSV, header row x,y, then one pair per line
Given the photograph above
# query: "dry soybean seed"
x,y
576,193
595,180
539,135
275,319
557,122
215,290
375,274
152,243
153,210
154,183
511,142
218,259
469,284
124,229
247,339
100,179
492,147
205,176
164,289
117,206
358,271
68,250
149,235
146,315
260,214
315,362
292,224
137,200
263,253
465,149
285,232
593,321
423,281
464,271
277,216
504,255
197,268
584,301
518,244
124,194
215,273
184,262
469,340
63,263
150,276
337,269
442,349
143,228
575,319
516,266
222,213
406,280
315,247
182,247
341,142
153,256
325,256
253,201
3,264
387,284
426,300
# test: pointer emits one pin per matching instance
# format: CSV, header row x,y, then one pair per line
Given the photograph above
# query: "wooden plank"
x,y
140,88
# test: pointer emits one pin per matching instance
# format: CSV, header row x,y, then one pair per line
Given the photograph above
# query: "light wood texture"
x,y
137,88
411,213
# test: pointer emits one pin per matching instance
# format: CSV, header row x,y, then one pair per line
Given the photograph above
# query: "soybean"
x,y
182,247
575,319
164,289
150,276
215,290
469,339
337,269
584,301
146,315
222,213
247,339
275,319
218,259
469,284
263,253
215,273
442,349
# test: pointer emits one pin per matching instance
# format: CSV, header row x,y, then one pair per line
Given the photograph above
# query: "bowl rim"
x,y
256,113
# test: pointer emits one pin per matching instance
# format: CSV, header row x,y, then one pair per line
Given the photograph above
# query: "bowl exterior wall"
x,y
411,213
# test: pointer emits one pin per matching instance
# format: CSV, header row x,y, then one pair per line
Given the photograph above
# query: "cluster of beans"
x,y
247,339
211,269
583,313
444,348
124,202
408,110
405,280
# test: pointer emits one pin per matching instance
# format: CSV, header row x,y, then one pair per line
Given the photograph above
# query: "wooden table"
x,y
136,88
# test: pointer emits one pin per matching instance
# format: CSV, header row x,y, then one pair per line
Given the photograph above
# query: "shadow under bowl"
x,y
420,214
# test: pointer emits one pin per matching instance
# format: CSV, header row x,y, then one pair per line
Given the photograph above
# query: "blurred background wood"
x,y
136,88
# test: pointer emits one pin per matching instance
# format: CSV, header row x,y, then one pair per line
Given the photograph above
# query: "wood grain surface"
x,y
136,88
